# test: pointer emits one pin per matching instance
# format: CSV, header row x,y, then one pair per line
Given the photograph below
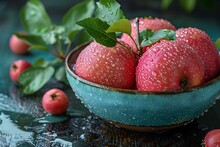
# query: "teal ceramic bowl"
x,y
141,110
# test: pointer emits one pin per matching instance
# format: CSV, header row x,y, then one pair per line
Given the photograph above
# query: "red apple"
x,y
109,66
55,101
146,23
17,45
205,48
212,138
17,68
169,65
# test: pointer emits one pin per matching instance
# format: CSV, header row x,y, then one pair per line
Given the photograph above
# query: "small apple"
x,y
212,138
17,68
55,101
169,65
17,45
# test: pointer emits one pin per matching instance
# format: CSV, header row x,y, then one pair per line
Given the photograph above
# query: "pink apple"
x,y
205,48
17,45
169,65
17,68
146,23
212,138
109,66
55,101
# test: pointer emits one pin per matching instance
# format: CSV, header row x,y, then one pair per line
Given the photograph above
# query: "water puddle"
x,y
11,134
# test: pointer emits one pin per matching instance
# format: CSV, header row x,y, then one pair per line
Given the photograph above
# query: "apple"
x,y
17,68
204,46
109,66
169,65
17,45
55,101
212,138
154,24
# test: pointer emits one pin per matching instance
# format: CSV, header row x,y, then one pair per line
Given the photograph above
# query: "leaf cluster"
x,y
44,35
109,20
56,39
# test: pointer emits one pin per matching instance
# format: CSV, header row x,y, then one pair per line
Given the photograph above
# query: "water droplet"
x,y
153,73
82,137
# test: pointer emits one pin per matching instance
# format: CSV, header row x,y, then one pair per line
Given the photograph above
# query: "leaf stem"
x,y
128,48
56,55
60,47
136,45
67,49
138,36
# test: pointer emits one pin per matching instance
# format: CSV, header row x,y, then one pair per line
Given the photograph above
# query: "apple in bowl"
x,y
143,110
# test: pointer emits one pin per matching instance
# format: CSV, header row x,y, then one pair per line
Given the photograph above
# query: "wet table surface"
x,y
17,112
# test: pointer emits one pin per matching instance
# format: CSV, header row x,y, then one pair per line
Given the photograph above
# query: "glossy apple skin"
x,y
147,109
55,101
169,65
17,45
212,138
17,68
204,46
114,67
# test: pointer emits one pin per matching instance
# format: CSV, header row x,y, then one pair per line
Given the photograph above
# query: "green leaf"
x,y
76,13
217,43
156,36
108,11
188,5
50,119
165,4
55,34
41,62
34,78
60,75
97,29
34,17
145,34
84,37
35,41
122,25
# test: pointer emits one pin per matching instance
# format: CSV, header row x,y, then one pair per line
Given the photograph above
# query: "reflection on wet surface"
x,y
18,128
11,134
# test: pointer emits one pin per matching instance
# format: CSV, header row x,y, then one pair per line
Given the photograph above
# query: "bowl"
x,y
141,110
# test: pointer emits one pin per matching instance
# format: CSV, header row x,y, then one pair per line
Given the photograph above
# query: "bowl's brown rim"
x,y
130,91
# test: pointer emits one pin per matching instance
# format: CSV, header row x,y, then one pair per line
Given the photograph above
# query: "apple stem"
x,y
14,67
54,96
184,82
138,36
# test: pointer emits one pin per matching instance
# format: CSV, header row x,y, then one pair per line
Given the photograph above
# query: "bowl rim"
x,y
130,91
